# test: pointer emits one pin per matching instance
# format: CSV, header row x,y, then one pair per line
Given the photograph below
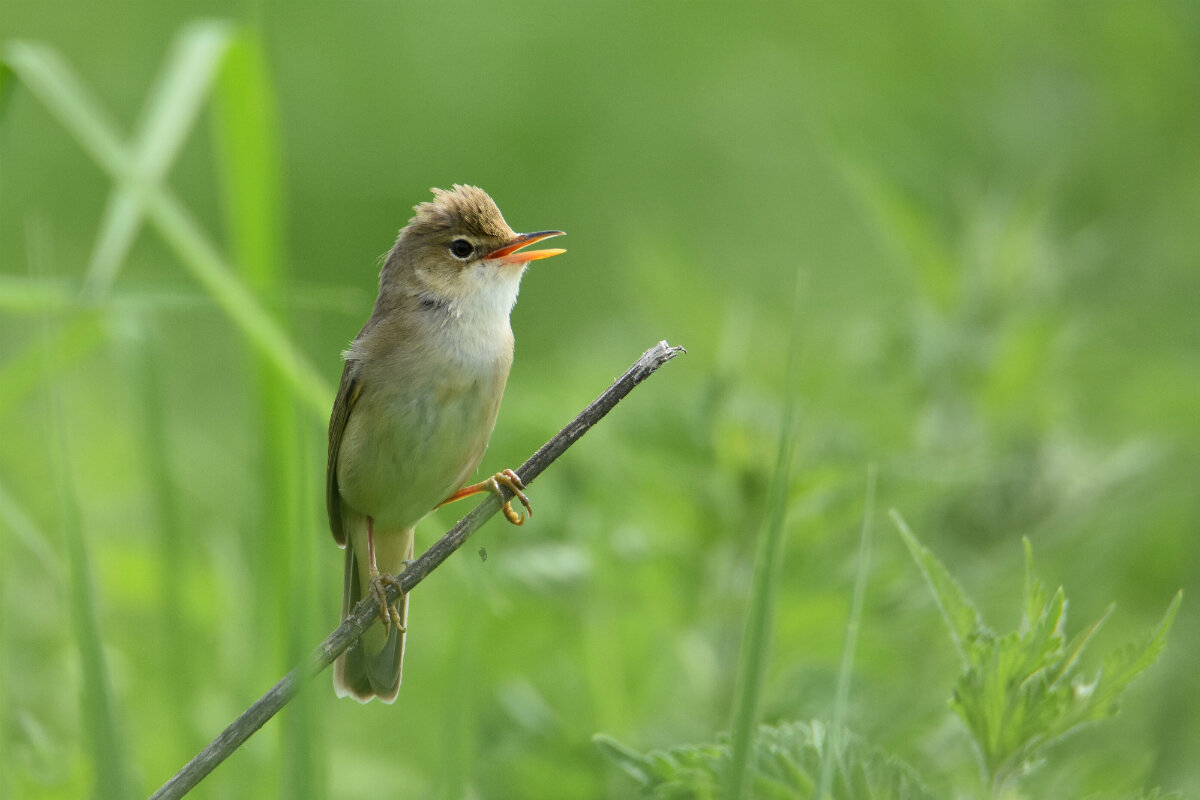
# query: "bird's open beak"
x,y
508,253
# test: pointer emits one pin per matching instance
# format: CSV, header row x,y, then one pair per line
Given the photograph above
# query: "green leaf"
x,y
1075,647
1123,665
962,618
1035,592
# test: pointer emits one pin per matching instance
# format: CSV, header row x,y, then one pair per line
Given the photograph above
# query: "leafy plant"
x,y
1022,691
1019,693
786,762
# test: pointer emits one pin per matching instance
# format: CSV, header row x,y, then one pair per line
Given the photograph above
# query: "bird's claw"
x,y
388,614
511,481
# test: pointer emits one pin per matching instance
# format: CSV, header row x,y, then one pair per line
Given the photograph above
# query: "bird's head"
x,y
457,250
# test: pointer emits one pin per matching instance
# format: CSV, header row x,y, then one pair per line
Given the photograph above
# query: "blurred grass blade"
x,y
247,160
8,80
19,293
906,226
26,532
841,695
100,724
248,156
44,359
24,295
246,139
177,564
101,731
45,74
756,639
169,116
304,766
54,84
960,615
244,130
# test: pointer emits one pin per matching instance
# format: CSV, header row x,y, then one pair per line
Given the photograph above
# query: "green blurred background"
x,y
992,211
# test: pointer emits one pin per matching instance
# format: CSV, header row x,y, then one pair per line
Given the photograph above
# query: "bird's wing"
x,y
348,391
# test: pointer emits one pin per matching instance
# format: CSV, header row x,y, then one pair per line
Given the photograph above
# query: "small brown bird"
x,y
416,407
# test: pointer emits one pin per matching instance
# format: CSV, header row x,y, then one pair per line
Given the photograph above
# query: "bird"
x,y
417,402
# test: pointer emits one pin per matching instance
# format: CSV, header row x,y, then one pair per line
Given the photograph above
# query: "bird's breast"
x,y
419,430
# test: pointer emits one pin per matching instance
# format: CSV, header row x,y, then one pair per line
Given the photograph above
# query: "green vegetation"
x,y
990,214
1018,695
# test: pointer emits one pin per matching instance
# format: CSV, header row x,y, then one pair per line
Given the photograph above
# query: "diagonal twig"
x,y
367,611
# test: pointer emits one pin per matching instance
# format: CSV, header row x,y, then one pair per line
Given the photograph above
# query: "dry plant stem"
x,y
367,611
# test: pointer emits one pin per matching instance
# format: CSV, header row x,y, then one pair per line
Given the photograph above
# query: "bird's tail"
x,y
372,666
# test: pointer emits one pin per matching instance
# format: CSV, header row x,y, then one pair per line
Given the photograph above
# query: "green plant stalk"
x,y
100,725
756,638
246,143
101,731
841,695
178,650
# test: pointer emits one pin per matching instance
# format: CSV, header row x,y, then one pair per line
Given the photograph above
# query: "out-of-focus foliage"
x,y
787,763
1018,694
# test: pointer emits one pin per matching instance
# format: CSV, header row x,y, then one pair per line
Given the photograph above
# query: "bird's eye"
x,y
461,248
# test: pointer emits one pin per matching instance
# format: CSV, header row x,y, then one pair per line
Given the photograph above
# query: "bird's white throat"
x,y
471,315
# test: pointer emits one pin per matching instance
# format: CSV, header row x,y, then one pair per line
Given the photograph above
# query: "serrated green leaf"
x,y
1035,592
1074,649
633,763
960,615
1125,664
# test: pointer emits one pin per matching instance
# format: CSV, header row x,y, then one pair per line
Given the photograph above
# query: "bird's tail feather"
x,y
373,665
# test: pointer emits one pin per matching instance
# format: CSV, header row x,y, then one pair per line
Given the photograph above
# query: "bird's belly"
x,y
405,451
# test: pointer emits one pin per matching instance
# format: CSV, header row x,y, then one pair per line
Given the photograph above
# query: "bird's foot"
x,y
513,483
509,480
388,614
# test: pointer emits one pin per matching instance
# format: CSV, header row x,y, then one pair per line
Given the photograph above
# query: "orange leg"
x,y
379,582
511,481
